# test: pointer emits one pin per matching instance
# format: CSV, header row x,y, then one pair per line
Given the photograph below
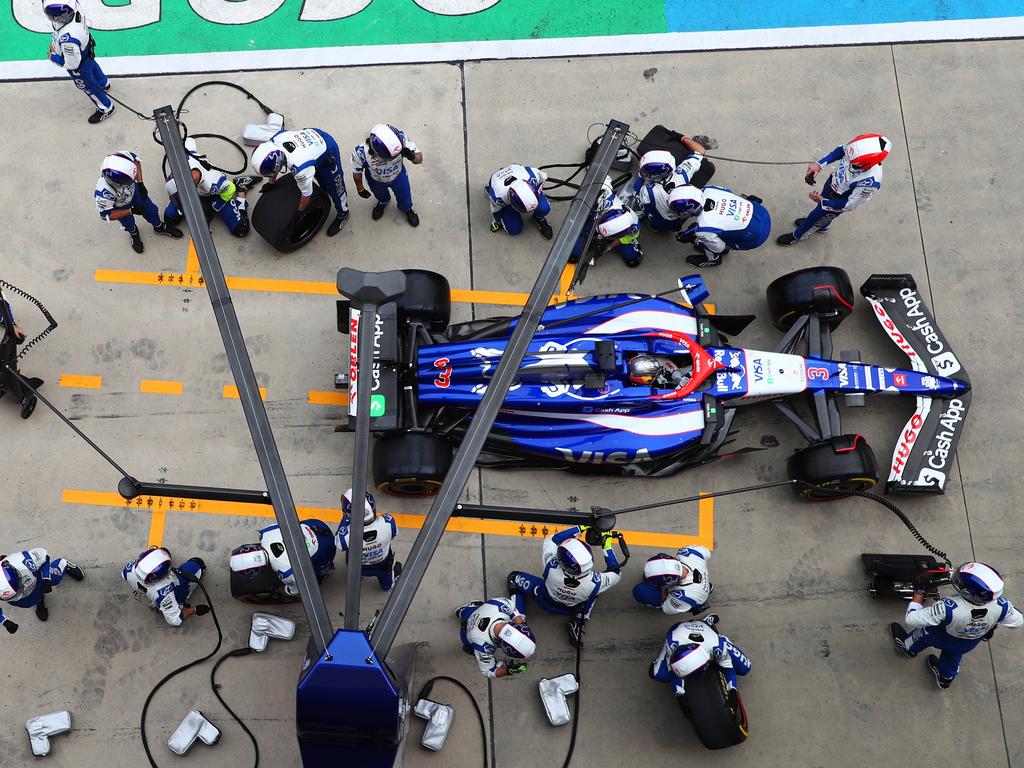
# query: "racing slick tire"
x,y
792,295
833,468
427,298
278,221
411,463
716,713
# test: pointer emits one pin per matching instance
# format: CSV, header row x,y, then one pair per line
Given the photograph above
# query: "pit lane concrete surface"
x,y
826,688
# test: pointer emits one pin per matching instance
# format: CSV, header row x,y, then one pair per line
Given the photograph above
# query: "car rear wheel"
x,y
832,469
793,295
411,464
427,298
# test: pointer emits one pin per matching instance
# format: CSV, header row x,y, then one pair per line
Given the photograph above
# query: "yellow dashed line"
x,y
80,382
327,398
158,387
231,392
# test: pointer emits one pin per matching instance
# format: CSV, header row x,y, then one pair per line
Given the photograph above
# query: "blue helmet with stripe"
x,y
59,14
574,557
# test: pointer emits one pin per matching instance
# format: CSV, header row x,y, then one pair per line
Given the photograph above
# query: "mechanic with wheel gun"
x,y
568,586
516,190
617,229
73,48
120,193
379,530
690,648
486,627
381,160
26,578
219,196
853,182
12,336
167,589
307,153
725,221
677,583
658,175
271,551
955,625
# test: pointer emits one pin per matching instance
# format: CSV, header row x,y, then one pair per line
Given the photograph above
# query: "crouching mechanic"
x,y
120,193
857,177
271,551
309,153
955,625
380,159
516,190
379,530
677,583
690,648
73,48
658,175
615,228
167,589
27,577
220,196
568,586
486,628
725,221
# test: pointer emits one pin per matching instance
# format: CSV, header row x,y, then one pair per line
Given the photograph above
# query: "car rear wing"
x,y
924,451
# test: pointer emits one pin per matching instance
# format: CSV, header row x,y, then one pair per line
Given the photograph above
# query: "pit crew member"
x,y
693,646
379,530
73,48
167,589
725,221
11,335
220,196
27,577
516,190
658,176
677,583
617,229
380,161
319,543
496,625
121,192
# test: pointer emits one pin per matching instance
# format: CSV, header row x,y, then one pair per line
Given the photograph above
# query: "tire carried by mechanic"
x,y
427,298
833,468
793,295
715,712
411,463
278,221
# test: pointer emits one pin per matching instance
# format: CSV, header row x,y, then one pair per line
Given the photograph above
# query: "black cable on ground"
x,y
243,651
428,686
575,707
756,162
158,686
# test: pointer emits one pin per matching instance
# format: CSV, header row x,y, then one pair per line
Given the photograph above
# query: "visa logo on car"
x,y
760,374
600,457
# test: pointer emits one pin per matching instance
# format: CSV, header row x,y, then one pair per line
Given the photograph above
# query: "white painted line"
x,y
300,58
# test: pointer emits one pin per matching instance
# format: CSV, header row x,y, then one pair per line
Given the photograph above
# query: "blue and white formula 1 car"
x,y
644,386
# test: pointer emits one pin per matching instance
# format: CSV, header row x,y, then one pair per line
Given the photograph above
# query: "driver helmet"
x,y
618,223
977,583
689,660
522,196
152,565
248,559
118,171
657,165
516,640
664,571
267,158
686,200
384,141
867,150
574,558
60,14
650,369
369,510
10,580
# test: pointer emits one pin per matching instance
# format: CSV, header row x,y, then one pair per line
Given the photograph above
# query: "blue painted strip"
x,y
702,16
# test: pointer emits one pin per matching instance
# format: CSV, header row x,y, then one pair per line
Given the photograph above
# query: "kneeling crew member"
x,y
27,577
677,583
487,627
166,589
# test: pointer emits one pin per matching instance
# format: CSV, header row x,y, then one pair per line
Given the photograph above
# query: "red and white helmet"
x,y
867,150
152,565
522,196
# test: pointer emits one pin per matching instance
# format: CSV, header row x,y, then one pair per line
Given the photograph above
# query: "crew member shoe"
x,y
378,211
786,239
338,224
137,245
396,572
702,260
74,571
899,638
635,262
933,665
412,217
545,229
168,231
245,183
43,613
99,115
711,619
107,86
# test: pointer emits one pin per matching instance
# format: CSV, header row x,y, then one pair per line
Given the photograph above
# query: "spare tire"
x,y
716,713
427,298
793,295
277,219
833,468
411,463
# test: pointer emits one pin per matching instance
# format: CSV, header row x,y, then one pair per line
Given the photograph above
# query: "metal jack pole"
x,y
423,549
241,369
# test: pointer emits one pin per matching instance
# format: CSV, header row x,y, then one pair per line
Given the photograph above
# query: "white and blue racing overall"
x,y
727,656
378,557
216,193
732,223
477,631
34,568
497,190
313,153
653,195
110,199
691,596
384,175
845,189
322,555
168,595
73,49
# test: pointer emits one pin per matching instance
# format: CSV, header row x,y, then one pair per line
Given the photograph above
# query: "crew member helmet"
x,y
616,223
686,200
152,565
522,196
118,170
867,150
689,660
369,510
248,559
267,158
516,640
977,583
384,142
574,558
10,580
657,165
664,571
59,14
